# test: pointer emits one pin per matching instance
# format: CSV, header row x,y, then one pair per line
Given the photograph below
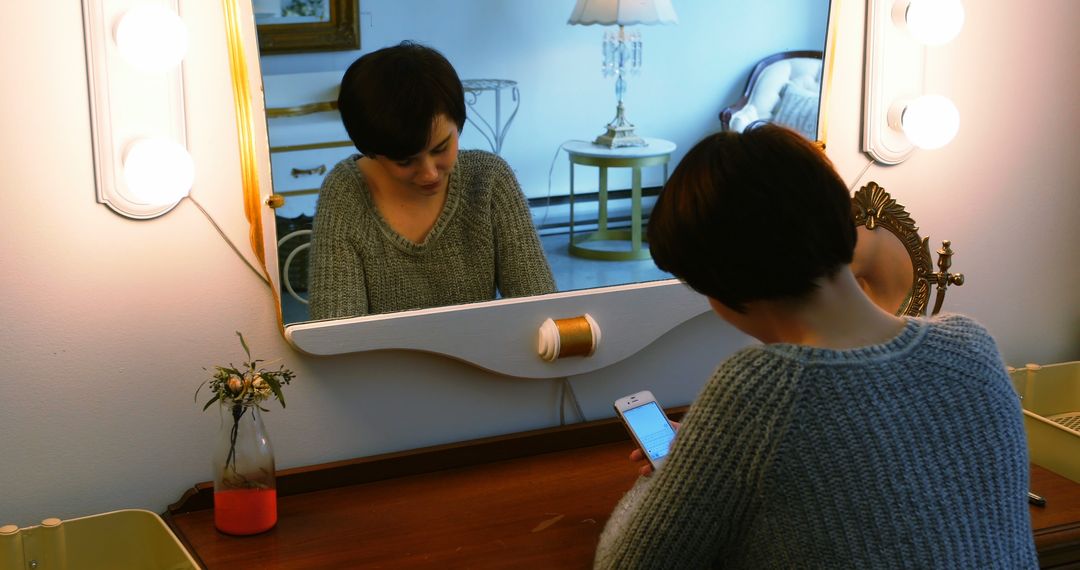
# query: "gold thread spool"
x,y
575,336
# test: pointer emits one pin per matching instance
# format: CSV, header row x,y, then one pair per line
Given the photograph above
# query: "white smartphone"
x,y
648,424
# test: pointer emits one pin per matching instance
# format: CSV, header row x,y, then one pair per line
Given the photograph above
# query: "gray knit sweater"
x,y
908,454
483,242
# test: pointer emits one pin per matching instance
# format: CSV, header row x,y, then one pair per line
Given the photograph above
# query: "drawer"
x,y
298,205
304,170
305,129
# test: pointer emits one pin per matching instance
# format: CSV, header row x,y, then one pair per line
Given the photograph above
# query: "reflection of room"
x,y
562,94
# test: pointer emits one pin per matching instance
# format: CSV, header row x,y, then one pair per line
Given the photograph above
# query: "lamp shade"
x,y
623,12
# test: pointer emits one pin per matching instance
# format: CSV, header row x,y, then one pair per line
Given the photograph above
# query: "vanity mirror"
x,y
892,262
694,68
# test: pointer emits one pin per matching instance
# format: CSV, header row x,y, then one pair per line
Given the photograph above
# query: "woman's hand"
x,y
638,456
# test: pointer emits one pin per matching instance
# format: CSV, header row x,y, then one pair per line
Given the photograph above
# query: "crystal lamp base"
x,y
619,132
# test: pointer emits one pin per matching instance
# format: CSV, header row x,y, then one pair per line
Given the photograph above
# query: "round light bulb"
x,y
930,121
152,38
934,22
158,171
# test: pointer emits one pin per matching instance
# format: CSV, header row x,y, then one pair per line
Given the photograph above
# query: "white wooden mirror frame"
x,y
502,335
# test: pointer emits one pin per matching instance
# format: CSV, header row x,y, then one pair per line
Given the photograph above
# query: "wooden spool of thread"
x,y
576,336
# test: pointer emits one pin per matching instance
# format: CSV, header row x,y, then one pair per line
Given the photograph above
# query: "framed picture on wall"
x,y
296,26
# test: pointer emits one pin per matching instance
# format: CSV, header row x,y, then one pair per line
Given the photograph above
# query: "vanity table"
x,y
657,153
536,499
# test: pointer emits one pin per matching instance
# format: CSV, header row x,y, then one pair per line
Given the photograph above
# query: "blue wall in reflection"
x,y
691,70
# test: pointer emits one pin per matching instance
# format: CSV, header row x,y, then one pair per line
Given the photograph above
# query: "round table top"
x,y
487,84
656,147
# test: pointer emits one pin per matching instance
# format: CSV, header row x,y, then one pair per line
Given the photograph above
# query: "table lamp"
x,y
622,51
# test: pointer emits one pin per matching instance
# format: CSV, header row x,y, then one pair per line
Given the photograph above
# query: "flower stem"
x,y
237,412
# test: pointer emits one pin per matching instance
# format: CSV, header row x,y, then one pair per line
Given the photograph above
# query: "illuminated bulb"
x,y
152,38
934,22
930,121
158,171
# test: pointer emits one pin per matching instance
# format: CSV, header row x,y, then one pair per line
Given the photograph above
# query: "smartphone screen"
x,y
652,429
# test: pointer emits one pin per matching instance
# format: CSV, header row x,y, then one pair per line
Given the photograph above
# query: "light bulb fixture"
x,y
930,121
622,52
134,49
152,38
157,171
931,22
897,118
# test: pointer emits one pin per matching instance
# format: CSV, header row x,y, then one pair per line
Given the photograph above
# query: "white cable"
x,y
227,240
565,388
551,169
562,401
861,174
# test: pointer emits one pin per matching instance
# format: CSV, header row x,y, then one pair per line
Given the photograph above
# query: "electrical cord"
x,y
566,389
551,169
221,232
858,178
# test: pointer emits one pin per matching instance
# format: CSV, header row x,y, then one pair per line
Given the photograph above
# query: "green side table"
x,y
657,153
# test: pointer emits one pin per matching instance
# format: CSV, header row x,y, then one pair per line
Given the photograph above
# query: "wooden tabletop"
x,y
544,511
1056,525
542,505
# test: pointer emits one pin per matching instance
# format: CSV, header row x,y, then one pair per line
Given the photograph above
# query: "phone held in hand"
x,y
648,424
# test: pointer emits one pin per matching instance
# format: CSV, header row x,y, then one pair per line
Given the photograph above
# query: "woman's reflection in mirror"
x,y
850,438
412,222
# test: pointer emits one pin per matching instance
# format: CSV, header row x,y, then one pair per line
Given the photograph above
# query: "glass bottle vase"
x,y
245,488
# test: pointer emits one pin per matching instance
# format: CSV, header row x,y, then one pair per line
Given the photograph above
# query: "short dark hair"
x,y
755,215
389,99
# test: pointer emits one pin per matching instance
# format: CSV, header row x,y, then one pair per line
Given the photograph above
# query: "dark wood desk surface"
x,y
532,500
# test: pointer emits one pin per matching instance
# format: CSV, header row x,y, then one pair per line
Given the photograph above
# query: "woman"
x,y
851,438
411,222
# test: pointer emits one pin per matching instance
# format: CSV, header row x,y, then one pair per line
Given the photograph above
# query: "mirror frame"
x,y
500,336
341,32
873,207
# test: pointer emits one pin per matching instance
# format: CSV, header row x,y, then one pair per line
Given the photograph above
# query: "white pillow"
x,y
797,110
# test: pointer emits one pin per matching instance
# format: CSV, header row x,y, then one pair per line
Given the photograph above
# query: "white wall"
x,y
1006,191
108,323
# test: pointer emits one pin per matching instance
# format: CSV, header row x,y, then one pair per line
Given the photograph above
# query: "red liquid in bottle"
x,y
245,511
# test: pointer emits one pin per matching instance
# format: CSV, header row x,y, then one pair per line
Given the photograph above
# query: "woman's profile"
x,y
412,222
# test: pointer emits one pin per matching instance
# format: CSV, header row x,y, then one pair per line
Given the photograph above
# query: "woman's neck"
x,y
837,315
381,184
411,214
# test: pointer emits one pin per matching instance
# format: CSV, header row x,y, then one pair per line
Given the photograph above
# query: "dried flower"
x,y
235,385
247,386
260,386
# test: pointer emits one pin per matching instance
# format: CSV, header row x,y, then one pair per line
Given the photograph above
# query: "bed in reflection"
x,y
784,88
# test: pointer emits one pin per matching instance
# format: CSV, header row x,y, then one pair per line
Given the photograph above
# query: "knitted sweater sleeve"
x,y
521,268
335,274
692,512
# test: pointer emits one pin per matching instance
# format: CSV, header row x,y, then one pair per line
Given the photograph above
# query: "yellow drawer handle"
x,y
298,172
